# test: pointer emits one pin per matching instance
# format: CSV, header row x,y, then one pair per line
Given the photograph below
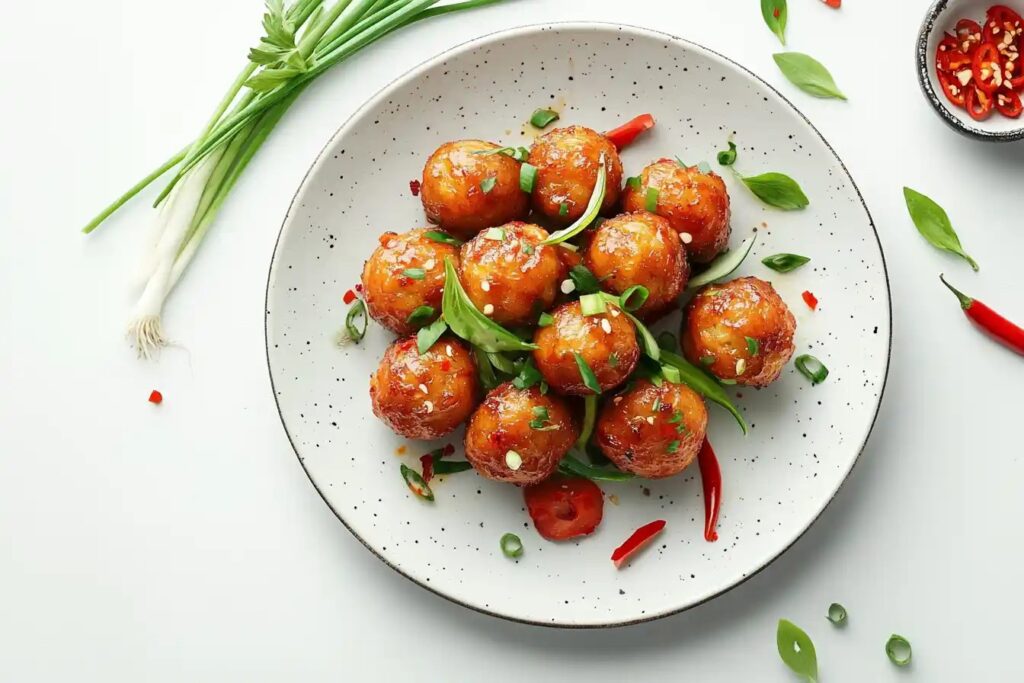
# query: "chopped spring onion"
x,y
356,314
634,297
563,209
487,184
588,376
526,247
467,322
897,648
613,360
586,282
421,315
517,153
511,546
528,375
836,614
753,346
784,263
545,319
443,238
416,483
572,466
728,157
527,177
671,374
589,418
725,264
811,368
651,199
589,214
428,336
673,446
633,182
541,420
414,273
542,118
592,304
496,234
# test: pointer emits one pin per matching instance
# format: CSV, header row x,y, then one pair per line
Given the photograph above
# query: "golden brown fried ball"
x,y
519,435
639,249
453,188
509,275
393,285
653,431
425,396
606,342
695,203
567,161
740,330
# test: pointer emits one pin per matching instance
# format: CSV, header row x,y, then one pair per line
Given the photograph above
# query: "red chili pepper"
x,y
968,36
349,297
834,4
156,397
711,482
427,461
1008,103
978,104
998,20
951,87
987,68
1006,332
414,186
636,541
810,300
627,132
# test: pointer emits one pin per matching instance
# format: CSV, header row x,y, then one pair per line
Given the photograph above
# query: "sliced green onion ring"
x,y
442,237
592,304
811,368
356,313
728,157
588,376
416,483
633,182
651,199
634,297
784,263
589,418
589,214
563,209
898,649
724,265
421,315
836,614
753,346
414,273
527,177
545,319
428,336
542,118
488,183
511,546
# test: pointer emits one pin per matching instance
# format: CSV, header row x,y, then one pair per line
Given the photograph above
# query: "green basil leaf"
x,y
572,466
488,379
774,13
589,214
428,336
467,322
784,263
528,375
808,74
586,282
778,190
728,157
502,364
421,315
450,466
588,376
934,225
443,238
797,650
724,265
589,418
703,383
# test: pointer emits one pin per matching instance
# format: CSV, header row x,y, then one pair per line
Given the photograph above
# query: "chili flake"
x,y
414,187
810,300
349,297
156,397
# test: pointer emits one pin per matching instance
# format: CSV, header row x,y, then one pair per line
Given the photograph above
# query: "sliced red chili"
x,y
810,300
834,4
968,35
564,507
1008,103
427,461
951,87
627,132
414,187
998,20
156,397
988,68
637,540
349,297
1008,333
978,104
952,61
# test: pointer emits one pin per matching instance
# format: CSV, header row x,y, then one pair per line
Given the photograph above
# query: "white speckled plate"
x,y
804,440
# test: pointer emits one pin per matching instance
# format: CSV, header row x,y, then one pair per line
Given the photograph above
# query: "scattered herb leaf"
x,y
416,483
753,346
588,376
725,264
356,313
651,199
487,184
784,263
443,238
934,225
421,315
467,322
811,368
797,650
728,157
778,190
774,13
428,336
808,74
414,273
836,614
586,282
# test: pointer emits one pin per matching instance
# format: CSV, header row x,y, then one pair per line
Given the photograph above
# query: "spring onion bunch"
x,y
301,41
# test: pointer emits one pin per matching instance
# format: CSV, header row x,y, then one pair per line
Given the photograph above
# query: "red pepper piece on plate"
x,y
564,507
834,4
1006,332
639,538
156,397
810,300
427,461
628,132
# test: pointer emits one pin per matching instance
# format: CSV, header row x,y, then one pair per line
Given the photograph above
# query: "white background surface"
x,y
184,542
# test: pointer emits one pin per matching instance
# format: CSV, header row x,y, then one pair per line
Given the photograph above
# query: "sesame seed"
x,y
423,388
429,405
617,400
686,237
485,285
568,286
513,460
650,419
741,366
606,326
448,350
488,309
615,312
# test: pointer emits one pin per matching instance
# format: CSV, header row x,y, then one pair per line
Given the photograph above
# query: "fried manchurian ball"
x,y
509,275
519,435
740,330
639,249
567,161
393,285
695,203
653,431
453,193
606,342
425,396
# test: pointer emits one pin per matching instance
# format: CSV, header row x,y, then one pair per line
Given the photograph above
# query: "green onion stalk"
x,y
301,41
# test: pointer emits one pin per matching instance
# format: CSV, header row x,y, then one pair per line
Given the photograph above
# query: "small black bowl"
x,y
942,17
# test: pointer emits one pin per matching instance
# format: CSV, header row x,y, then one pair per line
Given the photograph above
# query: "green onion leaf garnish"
x,y
634,297
443,238
572,466
450,466
588,376
797,650
728,157
753,346
528,375
428,336
613,360
704,167
563,209
545,319
496,234
542,118
421,315
517,153
707,360
656,404
651,199
414,273
526,247
356,314
592,304
897,648
589,214
673,446
487,184
677,417
836,614
671,374
633,182
540,417
527,177
811,368
784,263
589,419
724,265
466,321
703,383
416,484
667,341
586,282
511,546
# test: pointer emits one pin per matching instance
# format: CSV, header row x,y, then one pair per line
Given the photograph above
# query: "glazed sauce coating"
x,y
567,161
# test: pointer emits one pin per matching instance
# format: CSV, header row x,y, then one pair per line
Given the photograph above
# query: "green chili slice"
x,y
511,546
356,313
416,483
527,177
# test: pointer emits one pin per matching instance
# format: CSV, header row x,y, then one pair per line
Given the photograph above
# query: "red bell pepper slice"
x,y
978,104
626,133
1008,103
640,538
